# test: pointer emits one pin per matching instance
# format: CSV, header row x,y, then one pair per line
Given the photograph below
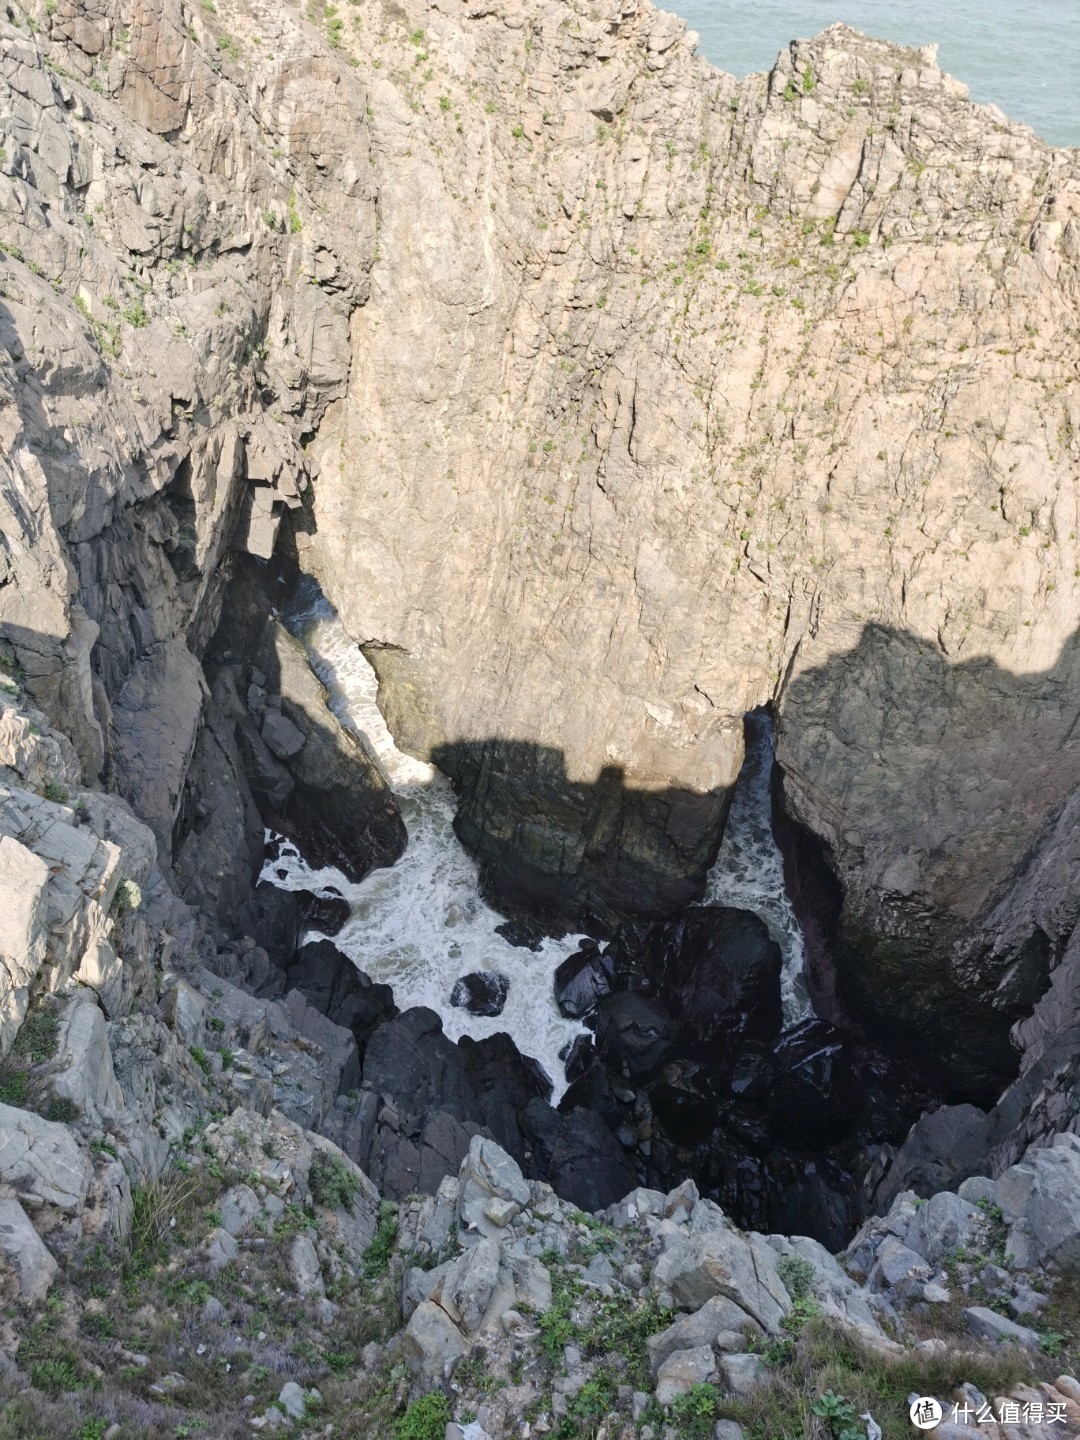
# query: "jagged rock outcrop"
x,y
175,323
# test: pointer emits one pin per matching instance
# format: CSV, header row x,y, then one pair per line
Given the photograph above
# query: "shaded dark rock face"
x,y
333,985
561,850
308,777
693,1075
482,993
951,1020
422,1098
718,973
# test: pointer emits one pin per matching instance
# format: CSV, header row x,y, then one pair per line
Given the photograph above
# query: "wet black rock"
x,y
504,1082
326,912
577,1057
481,993
816,1093
333,985
717,973
752,1077
578,1156
593,1090
633,1035
583,979
272,918
683,1102
523,932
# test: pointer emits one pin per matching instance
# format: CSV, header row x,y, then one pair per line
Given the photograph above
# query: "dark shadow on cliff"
x,y
272,753
577,853
911,790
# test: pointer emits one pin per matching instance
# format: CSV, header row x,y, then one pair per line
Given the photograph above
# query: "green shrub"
x,y
61,1110
136,315
696,1411
590,1405
55,792
128,896
797,1275
377,1255
425,1419
14,1086
38,1036
332,1182
839,1415
55,1375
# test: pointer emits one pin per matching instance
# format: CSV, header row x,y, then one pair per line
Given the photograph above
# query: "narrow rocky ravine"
x,y
633,420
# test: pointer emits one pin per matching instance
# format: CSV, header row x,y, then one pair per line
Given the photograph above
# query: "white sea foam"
x,y
422,923
749,870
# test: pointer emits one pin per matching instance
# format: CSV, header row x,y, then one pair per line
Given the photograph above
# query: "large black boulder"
x,y
481,993
578,1156
633,1035
583,979
272,917
577,1056
325,912
503,1083
331,982
717,973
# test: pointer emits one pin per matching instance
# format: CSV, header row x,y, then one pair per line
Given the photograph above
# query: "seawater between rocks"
x,y
422,923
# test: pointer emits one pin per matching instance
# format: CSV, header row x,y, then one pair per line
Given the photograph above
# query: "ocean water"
x,y
1022,56
421,924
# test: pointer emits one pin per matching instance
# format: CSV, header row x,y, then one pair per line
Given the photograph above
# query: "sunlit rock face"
x,y
675,394
633,397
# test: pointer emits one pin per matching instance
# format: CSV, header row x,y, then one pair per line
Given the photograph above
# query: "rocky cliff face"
x,y
607,397
673,396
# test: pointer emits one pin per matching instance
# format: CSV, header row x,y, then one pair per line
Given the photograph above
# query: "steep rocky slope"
x,y
606,397
183,1250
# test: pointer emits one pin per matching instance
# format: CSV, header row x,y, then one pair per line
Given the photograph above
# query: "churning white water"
x,y
422,923
749,870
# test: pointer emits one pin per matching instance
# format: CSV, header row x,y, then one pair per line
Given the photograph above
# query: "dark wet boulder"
x,y
272,918
593,1090
717,973
752,1077
420,1068
326,912
578,1156
420,1107
582,980
481,993
577,1057
683,1101
523,932
503,1082
334,986
816,1092
633,1035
